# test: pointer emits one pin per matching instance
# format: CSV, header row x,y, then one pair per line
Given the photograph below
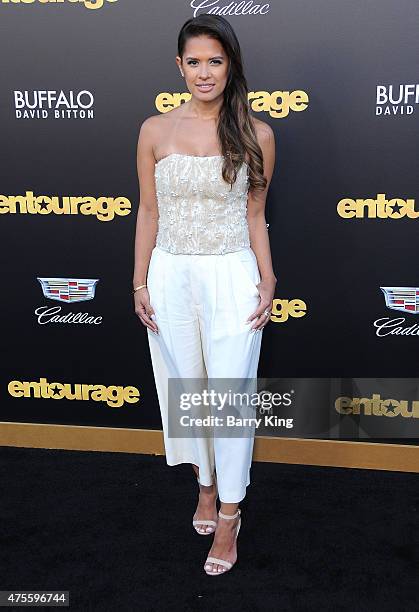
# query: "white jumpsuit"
x,y
202,282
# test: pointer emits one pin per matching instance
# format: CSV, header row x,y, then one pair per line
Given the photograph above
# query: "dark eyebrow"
x,y
215,57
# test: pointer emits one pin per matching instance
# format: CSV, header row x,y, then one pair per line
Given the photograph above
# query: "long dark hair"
x,y
236,131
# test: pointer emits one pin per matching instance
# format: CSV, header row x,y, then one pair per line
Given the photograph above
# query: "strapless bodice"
x,y
199,213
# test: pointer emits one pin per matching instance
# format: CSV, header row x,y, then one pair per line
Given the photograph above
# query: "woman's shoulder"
x,y
153,121
156,126
160,118
263,130
151,129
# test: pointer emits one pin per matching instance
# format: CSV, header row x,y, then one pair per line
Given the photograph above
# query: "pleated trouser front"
x,y
201,303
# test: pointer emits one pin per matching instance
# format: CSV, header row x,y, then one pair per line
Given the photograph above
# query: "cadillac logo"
x,y
69,289
402,298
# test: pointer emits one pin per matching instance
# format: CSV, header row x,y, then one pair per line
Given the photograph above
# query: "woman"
x,y
203,293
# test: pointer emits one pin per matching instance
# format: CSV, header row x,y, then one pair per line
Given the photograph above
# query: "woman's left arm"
x,y
258,232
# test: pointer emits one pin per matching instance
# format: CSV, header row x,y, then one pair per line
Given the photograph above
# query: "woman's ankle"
x,y
229,508
209,491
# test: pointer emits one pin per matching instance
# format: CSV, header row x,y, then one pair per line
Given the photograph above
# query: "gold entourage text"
x,y
103,208
115,396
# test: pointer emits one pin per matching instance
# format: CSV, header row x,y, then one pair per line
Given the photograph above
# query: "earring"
x,y
182,73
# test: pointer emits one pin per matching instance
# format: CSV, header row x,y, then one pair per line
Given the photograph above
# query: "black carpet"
x,y
116,531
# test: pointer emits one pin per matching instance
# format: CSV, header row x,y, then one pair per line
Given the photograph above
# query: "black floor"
x,y
115,530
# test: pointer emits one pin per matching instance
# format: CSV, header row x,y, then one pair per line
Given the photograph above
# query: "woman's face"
x,y
205,66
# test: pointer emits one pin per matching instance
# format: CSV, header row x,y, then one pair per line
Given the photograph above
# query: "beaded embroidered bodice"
x,y
199,213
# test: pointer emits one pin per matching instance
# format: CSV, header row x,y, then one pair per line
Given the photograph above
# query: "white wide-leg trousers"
x,y
201,303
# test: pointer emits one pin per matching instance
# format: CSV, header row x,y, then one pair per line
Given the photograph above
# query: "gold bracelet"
x,y
139,287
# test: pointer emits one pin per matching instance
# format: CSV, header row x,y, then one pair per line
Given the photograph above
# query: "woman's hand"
x,y
144,310
266,290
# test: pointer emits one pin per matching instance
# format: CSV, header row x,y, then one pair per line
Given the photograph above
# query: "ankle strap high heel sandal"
x,y
223,562
210,525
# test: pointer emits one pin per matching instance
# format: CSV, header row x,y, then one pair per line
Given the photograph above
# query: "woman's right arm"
x,y
147,220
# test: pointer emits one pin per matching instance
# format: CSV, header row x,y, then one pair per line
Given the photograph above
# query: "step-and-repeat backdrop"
x,y
338,83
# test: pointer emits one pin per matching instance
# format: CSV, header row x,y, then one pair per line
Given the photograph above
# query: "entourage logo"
x,y
103,208
231,8
379,208
114,396
67,290
46,104
396,99
375,406
283,309
89,4
405,299
276,104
